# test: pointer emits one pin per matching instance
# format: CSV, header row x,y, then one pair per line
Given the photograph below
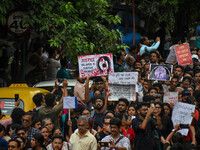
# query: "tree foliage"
x,y
78,25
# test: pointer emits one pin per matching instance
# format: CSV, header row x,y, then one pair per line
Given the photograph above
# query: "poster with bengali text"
x,y
95,65
124,78
121,91
183,54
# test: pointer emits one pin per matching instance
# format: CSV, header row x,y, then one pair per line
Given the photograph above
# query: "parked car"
x,y
7,97
49,85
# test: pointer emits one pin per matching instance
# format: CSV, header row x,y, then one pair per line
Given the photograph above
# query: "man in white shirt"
x,y
82,139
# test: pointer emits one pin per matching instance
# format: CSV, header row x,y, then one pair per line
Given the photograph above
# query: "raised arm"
x,y
176,128
105,94
143,125
64,90
55,87
87,92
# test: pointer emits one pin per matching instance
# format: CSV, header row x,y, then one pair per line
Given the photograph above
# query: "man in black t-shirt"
x,y
144,126
106,129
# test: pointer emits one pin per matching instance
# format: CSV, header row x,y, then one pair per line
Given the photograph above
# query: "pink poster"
x,y
183,54
95,65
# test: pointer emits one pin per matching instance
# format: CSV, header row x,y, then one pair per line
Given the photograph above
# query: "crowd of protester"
x,y
96,123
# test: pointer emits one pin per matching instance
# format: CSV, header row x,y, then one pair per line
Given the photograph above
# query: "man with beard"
x,y
179,71
82,139
123,105
79,88
100,105
144,126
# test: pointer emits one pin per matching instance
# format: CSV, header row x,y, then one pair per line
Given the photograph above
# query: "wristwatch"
x,y
173,130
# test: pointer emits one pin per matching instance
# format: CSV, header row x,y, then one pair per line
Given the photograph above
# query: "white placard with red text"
x,y
170,97
95,65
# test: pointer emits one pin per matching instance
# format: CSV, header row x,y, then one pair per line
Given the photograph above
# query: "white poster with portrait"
x,y
95,65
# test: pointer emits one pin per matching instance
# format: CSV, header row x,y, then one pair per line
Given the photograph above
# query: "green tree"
x,y
78,25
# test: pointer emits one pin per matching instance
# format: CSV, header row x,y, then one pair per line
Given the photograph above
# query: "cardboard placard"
x,y
124,78
160,72
183,54
170,97
121,91
182,114
95,65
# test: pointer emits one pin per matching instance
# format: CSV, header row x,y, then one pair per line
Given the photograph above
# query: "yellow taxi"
x,y
7,97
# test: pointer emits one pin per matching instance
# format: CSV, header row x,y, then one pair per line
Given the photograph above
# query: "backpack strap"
x,y
121,137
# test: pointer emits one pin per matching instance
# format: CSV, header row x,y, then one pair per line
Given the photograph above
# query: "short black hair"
x,y
116,121
159,85
141,104
63,61
152,88
175,77
124,100
119,53
49,99
187,78
57,137
98,97
17,114
158,56
20,128
180,67
98,79
39,138
29,114
17,141
37,99
106,117
22,138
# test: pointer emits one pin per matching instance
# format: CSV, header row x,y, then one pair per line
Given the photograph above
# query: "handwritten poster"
x,y
95,65
121,91
160,72
124,78
183,54
170,97
182,114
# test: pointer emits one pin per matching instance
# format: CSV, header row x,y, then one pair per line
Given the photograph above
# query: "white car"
x,y
49,85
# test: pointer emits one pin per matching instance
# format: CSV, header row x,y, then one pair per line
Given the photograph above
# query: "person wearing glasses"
x,y
27,120
21,132
105,130
82,139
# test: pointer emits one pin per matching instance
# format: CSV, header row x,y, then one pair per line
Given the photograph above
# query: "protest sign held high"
x,y
182,114
122,85
160,72
95,65
183,54
124,78
170,97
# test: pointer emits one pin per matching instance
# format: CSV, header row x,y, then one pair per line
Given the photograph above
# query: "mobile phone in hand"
x,y
16,97
104,144
184,126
